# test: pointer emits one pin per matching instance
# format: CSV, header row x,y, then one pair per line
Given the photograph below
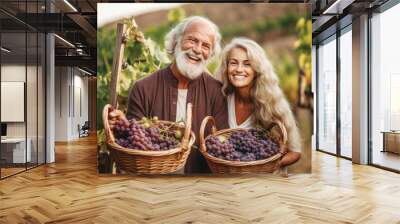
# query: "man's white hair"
x,y
175,35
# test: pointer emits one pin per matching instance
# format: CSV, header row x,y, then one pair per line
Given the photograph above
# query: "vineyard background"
x,y
283,30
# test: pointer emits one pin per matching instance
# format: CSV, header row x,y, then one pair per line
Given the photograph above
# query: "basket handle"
x,y
203,127
282,129
109,134
188,128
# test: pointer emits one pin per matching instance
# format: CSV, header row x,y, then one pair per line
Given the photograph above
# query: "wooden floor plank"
x,y
71,191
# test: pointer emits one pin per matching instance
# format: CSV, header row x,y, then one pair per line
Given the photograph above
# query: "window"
x,y
327,95
22,74
385,89
346,92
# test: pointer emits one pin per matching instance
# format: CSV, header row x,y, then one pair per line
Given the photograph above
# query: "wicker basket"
x,y
151,162
221,166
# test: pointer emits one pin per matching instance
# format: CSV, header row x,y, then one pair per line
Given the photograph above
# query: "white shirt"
x,y
181,105
248,123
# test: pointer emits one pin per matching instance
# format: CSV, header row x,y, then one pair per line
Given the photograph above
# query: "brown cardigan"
x,y
156,95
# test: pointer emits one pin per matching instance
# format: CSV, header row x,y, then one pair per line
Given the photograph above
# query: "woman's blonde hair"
x,y
268,99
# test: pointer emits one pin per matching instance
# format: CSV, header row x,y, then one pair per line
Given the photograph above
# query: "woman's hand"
x,y
283,148
278,165
114,116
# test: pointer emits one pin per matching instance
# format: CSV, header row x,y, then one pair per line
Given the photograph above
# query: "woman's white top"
x,y
248,123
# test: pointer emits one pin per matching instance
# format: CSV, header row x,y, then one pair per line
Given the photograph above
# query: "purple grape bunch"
x,y
160,140
134,135
243,145
220,149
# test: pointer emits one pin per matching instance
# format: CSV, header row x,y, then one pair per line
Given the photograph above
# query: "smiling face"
x,y
198,38
240,72
194,49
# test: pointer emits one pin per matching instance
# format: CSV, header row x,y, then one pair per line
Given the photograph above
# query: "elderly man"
x,y
166,92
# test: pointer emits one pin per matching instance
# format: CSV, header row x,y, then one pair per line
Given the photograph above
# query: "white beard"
x,y
187,69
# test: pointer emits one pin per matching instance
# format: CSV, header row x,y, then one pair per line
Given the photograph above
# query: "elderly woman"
x,y
253,94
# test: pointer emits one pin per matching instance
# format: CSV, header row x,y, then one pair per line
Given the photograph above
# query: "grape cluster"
x,y
134,135
249,145
218,149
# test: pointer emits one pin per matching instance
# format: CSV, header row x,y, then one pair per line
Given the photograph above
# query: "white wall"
x,y
80,100
14,73
11,73
61,103
70,83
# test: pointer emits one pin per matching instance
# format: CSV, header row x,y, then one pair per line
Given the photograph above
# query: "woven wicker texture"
x,y
221,166
151,162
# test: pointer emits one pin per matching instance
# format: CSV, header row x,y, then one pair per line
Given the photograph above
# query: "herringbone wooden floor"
x,y
71,191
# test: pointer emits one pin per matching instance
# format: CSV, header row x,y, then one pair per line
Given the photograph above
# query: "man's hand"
x,y
114,116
